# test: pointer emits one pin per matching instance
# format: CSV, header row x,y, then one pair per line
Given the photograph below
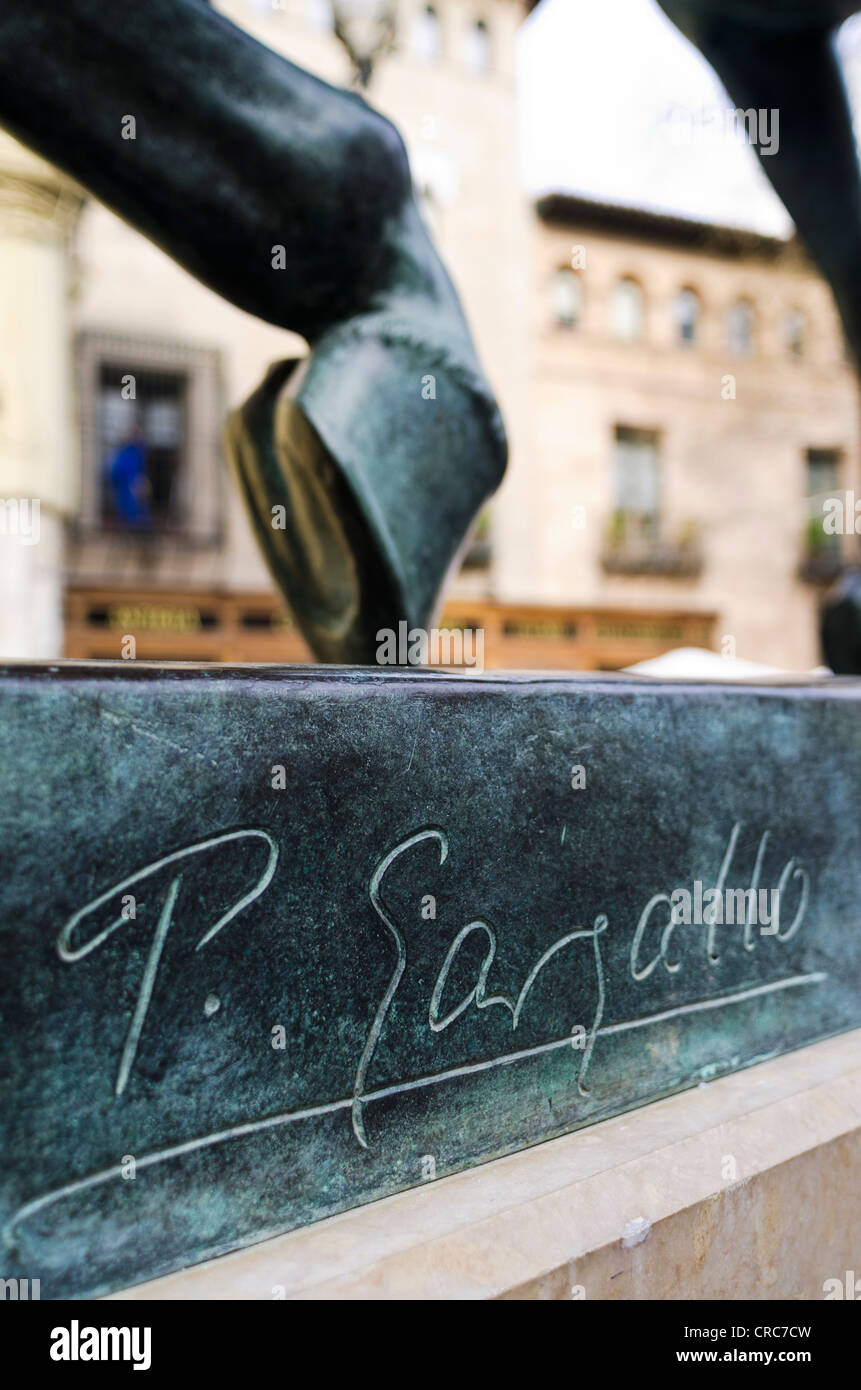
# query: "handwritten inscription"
x,y
69,952
439,1019
791,873
442,1011
477,995
654,945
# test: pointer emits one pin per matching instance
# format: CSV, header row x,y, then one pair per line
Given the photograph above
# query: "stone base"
x,y
277,942
748,1187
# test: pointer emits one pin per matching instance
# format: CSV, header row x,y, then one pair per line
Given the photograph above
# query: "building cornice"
x,y
569,210
37,202
37,211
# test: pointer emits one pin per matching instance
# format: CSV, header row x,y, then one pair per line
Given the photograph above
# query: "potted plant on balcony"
x,y
821,561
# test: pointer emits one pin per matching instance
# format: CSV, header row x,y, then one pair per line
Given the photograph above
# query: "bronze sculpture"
x,y
364,464
779,55
841,625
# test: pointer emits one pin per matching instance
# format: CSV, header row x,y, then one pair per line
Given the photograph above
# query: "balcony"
x,y
636,544
822,558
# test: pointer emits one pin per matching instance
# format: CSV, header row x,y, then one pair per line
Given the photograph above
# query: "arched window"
x,y
627,312
794,332
427,35
740,328
686,315
477,47
566,296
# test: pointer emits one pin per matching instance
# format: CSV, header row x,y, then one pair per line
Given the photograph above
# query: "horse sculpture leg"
x,y
293,200
781,58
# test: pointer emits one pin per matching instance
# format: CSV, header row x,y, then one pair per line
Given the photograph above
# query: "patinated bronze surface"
x,y
365,466
280,941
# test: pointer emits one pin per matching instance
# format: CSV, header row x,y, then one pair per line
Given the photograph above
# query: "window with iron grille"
x,y
636,462
150,413
822,484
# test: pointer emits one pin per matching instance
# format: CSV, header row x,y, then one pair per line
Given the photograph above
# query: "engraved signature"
x,y
68,952
72,950
477,995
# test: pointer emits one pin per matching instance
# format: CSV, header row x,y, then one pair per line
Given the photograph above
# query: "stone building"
x,y
674,393
693,408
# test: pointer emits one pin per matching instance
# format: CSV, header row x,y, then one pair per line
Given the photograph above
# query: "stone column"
x,y
38,452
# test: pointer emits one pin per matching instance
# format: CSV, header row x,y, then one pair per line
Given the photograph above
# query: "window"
x,y
823,482
141,434
637,481
477,47
794,332
566,292
823,472
427,35
740,328
627,311
686,315
150,415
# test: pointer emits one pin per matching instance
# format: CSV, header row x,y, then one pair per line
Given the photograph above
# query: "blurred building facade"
x,y
675,395
693,409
